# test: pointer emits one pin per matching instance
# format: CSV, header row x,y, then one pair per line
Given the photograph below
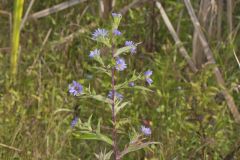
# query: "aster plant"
x,y
112,67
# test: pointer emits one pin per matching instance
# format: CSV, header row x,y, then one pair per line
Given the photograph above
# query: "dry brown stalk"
x,y
208,53
178,42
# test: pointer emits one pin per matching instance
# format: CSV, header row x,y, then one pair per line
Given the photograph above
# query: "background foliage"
x,y
186,111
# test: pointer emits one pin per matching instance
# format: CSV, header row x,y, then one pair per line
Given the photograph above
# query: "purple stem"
x,y
114,132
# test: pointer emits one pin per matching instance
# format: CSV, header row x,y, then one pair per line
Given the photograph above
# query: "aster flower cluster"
x,y
118,64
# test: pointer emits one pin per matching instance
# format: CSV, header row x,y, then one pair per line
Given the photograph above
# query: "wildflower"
x,y
74,121
129,43
75,88
131,84
94,53
118,15
149,81
117,95
133,47
147,74
100,33
116,32
146,131
120,64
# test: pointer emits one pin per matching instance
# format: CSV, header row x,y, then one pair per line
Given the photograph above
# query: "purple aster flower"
x,y
146,131
132,44
116,32
118,95
149,81
120,64
75,88
129,43
147,74
94,53
116,15
100,33
131,84
74,122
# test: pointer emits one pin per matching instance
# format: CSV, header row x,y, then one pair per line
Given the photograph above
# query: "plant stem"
x,y
114,136
18,9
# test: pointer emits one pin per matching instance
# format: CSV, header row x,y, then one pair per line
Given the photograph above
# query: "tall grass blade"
x,y
17,15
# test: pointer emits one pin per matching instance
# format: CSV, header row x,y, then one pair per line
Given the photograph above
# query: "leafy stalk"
x,y
114,135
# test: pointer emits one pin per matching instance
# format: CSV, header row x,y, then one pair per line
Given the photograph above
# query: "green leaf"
x,y
105,139
122,50
142,88
118,108
101,98
135,146
103,70
99,126
86,135
89,123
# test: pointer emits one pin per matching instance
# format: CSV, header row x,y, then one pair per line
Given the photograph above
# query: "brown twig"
x,y
10,147
10,20
125,9
27,13
208,53
56,8
229,16
182,50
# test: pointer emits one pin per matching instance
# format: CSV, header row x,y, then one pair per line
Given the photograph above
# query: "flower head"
x,y
149,81
131,84
120,64
129,43
75,88
146,131
100,33
133,47
147,75
74,121
116,32
116,15
94,53
117,95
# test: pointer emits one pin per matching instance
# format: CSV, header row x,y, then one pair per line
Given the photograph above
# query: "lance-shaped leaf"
x,y
135,146
104,155
120,106
124,49
87,135
103,70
